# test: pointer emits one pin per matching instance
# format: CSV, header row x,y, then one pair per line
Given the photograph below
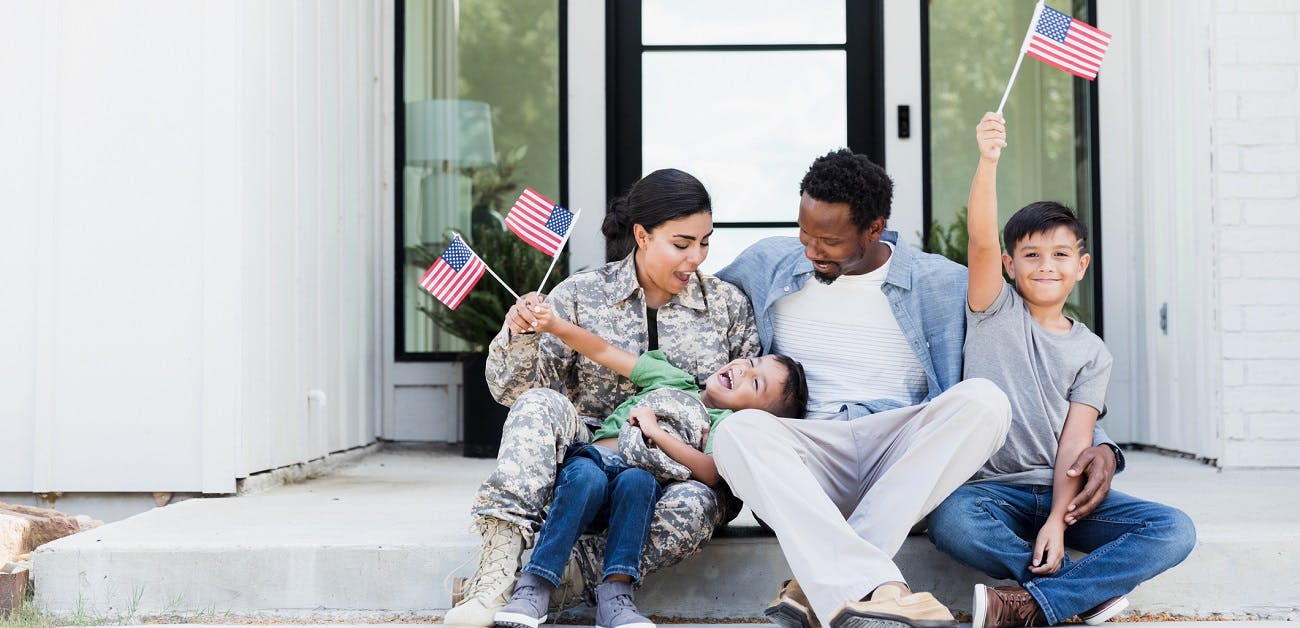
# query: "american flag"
x,y
455,273
540,222
1068,44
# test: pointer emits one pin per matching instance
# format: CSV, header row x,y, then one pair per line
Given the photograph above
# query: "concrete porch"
x,y
382,535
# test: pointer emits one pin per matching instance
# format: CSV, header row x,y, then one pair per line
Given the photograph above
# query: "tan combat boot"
x,y
490,587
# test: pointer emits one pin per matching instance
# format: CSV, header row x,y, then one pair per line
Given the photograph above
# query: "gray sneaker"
x,y
615,609
527,605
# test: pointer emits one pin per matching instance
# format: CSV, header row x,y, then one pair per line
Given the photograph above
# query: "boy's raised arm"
x,y
594,347
983,254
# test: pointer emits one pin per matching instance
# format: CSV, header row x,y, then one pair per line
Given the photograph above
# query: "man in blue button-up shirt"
x,y
879,328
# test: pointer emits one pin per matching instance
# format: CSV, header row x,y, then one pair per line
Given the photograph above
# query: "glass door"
x,y
743,94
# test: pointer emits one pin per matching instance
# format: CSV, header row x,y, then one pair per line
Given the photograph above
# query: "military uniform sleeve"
x,y
743,332
519,362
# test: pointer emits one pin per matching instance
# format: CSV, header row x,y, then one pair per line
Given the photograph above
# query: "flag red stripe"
x,y
1062,64
1088,38
1091,30
1084,50
449,286
1064,54
1053,63
471,274
1063,58
1065,49
535,196
531,232
461,283
532,213
540,206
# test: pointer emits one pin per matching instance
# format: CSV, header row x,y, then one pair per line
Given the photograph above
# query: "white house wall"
x,y
1199,156
188,231
313,148
1256,79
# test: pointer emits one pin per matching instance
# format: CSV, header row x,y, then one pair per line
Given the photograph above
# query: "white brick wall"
x,y
1256,82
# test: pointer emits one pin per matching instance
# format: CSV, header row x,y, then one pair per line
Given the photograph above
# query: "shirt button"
x,y
787,288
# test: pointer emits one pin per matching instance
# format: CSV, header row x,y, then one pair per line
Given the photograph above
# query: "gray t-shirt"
x,y
1041,373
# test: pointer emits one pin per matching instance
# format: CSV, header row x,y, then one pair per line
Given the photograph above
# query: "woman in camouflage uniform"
x,y
653,297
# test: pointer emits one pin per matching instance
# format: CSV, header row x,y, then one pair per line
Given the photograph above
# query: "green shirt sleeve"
x,y
653,371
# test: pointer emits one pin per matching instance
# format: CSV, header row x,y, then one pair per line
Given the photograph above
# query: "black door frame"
x,y
864,76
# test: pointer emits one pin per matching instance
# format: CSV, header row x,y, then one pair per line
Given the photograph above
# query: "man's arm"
x,y
594,347
1098,464
983,254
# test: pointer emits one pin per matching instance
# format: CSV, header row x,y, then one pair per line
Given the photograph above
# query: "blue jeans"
x,y
595,489
992,527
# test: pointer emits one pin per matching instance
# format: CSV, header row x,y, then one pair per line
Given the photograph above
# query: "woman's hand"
x,y
1049,548
520,316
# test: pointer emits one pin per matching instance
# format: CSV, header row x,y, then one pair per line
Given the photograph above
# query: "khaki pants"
x,y
842,495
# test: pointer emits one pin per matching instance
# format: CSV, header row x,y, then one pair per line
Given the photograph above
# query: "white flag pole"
x,y
489,269
503,284
573,225
1024,47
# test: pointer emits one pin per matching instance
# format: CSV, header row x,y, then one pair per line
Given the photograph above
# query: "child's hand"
x,y
545,317
991,136
645,419
1049,549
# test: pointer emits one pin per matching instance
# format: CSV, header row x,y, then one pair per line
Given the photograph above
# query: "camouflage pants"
x,y
541,425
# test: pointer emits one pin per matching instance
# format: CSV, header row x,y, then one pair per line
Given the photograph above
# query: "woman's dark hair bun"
x,y
616,222
660,196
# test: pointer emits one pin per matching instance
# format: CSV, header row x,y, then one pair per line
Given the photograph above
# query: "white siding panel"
x,y
127,376
316,110
1157,227
188,239
20,176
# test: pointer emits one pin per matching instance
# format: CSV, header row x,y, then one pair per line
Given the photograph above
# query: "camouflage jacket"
x,y
700,330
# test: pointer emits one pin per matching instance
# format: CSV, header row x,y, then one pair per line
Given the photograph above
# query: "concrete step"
x,y
384,534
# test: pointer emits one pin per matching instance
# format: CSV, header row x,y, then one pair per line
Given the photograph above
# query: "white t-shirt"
x,y
849,343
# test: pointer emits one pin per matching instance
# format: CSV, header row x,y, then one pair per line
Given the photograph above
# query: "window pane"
x,y
666,22
745,123
481,85
973,44
726,244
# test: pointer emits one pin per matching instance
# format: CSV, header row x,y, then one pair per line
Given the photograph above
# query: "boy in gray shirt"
x,y
1012,519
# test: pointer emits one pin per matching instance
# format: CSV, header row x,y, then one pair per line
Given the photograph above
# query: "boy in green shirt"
x,y
597,487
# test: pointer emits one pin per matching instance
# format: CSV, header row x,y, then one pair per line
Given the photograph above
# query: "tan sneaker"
x,y
494,580
791,609
890,607
1005,607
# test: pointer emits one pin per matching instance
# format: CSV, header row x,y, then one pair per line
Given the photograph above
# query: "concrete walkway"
x,y
382,534
1180,624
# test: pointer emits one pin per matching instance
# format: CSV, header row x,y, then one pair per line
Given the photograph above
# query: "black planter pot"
x,y
481,416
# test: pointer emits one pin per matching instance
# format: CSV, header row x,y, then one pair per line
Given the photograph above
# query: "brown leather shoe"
x,y
889,608
1005,607
791,609
1103,612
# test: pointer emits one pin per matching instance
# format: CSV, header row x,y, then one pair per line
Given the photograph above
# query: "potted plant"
x,y
479,317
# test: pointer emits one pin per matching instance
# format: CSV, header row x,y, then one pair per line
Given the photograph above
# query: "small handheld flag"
x,y
1068,44
455,273
1061,42
540,222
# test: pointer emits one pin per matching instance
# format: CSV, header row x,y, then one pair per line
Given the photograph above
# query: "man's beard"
x,y
824,278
